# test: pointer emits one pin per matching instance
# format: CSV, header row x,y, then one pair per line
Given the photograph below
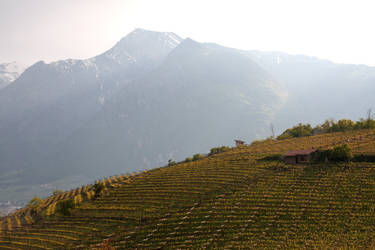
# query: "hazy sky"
x,y
339,30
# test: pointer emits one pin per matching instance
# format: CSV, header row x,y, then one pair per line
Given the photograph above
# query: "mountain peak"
x,y
141,44
141,34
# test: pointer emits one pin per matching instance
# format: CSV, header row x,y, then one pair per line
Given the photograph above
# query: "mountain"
x,y
318,89
199,96
155,96
10,72
151,97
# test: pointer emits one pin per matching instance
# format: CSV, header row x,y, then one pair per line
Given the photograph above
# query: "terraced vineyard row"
x,y
361,141
26,216
228,200
293,208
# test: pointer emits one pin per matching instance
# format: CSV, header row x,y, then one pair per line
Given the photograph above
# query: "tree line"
x,y
329,126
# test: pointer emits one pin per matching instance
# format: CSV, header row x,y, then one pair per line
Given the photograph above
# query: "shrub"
x,y
341,153
329,126
34,204
297,131
65,207
342,126
275,157
171,162
98,189
336,154
188,159
197,157
218,150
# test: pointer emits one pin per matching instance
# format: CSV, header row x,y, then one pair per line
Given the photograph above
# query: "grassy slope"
x,y
226,200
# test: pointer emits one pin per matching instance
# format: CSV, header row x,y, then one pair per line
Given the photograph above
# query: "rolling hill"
x,y
232,199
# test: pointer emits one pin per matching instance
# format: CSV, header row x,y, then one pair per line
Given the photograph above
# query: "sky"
x,y
337,30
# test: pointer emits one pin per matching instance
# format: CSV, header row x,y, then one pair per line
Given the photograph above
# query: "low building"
x,y
299,156
239,143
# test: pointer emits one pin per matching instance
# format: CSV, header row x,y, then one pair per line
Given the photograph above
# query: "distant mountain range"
x,y
155,96
319,89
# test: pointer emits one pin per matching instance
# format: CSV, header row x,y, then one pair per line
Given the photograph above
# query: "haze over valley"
x,y
136,124
155,96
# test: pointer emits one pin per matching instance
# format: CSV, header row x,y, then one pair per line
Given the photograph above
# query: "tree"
x,y
324,127
342,126
336,154
197,157
98,189
341,153
65,207
188,159
34,204
218,150
365,124
171,162
297,131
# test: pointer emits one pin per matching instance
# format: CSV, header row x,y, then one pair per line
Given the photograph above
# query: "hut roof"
x,y
300,152
239,141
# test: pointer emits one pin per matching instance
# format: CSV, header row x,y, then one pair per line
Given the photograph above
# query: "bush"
x,y
188,159
98,189
34,204
65,207
341,153
197,157
218,150
171,162
297,131
336,154
342,126
365,124
275,157
329,126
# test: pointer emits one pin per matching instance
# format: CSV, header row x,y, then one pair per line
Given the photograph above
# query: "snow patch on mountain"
x,y
10,72
140,47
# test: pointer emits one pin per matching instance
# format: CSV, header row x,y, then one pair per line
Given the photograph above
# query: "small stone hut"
x,y
299,156
239,143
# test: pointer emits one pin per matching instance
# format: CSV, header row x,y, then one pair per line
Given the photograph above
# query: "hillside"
x,y
155,96
125,110
226,200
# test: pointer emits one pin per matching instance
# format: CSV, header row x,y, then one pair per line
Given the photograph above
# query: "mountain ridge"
x,y
9,72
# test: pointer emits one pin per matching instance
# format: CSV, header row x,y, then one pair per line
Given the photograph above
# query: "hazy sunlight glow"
x,y
340,31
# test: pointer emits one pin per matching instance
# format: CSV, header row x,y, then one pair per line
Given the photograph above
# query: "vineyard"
x,y
226,200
